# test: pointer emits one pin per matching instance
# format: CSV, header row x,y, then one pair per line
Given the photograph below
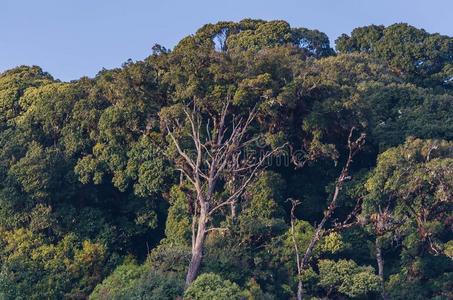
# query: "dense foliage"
x,y
94,204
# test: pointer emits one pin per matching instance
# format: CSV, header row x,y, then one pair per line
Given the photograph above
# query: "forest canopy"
x,y
252,161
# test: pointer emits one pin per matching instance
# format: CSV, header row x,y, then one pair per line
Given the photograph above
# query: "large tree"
x,y
219,163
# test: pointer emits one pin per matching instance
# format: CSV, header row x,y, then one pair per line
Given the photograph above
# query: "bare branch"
x,y
180,151
294,204
249,178
350,221
217,229
354,147
219,154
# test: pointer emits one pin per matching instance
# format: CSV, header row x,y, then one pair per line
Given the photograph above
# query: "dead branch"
x,y
294,204
354,146
218,154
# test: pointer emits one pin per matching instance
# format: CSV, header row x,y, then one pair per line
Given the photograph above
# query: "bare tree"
x,y
354,147
219,155
350,220
294,204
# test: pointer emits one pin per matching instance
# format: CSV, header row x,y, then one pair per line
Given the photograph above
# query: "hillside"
x,y
252,161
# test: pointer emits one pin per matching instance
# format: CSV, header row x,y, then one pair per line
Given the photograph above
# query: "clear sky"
x,y
72,38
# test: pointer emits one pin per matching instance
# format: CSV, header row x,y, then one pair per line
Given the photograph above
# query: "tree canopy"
x,y
252,161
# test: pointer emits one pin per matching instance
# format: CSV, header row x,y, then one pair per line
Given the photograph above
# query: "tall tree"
x,y
220,154
303,260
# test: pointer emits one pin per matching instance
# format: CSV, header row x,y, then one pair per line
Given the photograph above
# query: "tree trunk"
x,y
353,148
197,248
318,231
380,263
299,290
233,210
296,249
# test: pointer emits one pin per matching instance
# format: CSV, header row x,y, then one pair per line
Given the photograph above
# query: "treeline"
x,y
252,161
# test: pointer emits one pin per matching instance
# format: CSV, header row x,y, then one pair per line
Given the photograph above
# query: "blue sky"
x,y
72,38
